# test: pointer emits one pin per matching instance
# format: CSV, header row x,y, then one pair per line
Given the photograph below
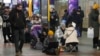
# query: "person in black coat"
x,y
54,19
93,22
72,18
6,27
18,23
44,32
80,15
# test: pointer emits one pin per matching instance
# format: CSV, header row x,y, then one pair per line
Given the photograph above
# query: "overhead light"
x,y
7,1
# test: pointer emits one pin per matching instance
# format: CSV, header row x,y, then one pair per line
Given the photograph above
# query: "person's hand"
x,y
52,17
44,33
26,29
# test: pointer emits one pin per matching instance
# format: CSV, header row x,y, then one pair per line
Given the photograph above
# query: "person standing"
x,y
54,19
6,25
18,22
80,14
93,22
65,16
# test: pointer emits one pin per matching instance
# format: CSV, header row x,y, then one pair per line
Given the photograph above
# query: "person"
x,y
59,34
71,37
80,14
72,18
18,23
6,27
54,19
93,22
44,33
37,20
65,16
50,42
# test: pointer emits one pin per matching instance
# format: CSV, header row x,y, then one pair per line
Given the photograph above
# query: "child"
x,y
50,43
71,38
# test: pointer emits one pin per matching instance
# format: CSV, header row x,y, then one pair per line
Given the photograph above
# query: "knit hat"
x,y
62,25
95,6
50,33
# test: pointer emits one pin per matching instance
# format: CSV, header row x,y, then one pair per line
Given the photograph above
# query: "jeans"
x,y
19,39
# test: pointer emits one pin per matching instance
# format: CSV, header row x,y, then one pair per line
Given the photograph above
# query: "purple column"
x,y
73,4
19,1
52,2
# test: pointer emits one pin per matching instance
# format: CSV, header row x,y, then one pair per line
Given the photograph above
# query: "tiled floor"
x,y
85,49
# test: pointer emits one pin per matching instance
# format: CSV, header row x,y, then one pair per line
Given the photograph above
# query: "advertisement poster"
x,y
73,4
36,6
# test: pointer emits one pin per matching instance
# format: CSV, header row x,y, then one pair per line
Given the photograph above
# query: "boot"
x,y
95,42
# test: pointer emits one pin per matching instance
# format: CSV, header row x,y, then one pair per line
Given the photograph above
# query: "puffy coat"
x,y
72,37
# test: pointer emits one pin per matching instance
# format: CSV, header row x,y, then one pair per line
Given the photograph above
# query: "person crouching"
x,y
50,43
71,39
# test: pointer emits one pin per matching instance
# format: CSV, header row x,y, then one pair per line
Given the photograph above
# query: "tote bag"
x,y
90,32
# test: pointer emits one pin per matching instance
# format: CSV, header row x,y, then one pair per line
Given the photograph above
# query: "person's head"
x,y
52,9
65,10
79,7
36,18
70,25
6,10
50,33
95,6
19,7
62,26
45,25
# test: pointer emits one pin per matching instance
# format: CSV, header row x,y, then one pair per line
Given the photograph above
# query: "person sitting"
x,y
71,38
50,43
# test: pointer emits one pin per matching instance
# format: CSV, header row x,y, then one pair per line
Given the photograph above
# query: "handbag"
x,y
90,32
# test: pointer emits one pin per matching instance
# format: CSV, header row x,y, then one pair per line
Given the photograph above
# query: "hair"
x,y
79,7
18,5
65,10
7,7
70,25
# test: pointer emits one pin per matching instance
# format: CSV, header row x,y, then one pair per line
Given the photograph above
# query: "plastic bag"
x,y
90,32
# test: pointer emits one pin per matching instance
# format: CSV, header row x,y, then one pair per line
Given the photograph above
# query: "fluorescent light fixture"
x,y
7,1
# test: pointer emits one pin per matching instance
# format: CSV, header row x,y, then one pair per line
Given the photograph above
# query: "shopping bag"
x,y
90,32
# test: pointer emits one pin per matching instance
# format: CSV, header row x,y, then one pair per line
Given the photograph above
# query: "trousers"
x,y
19,38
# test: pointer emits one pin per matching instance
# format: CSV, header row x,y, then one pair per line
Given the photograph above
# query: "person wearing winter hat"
x,y
95,6
60,32
93,22
50,42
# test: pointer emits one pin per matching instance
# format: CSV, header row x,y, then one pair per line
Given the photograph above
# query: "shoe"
x,y
17,53
94,46
6,41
